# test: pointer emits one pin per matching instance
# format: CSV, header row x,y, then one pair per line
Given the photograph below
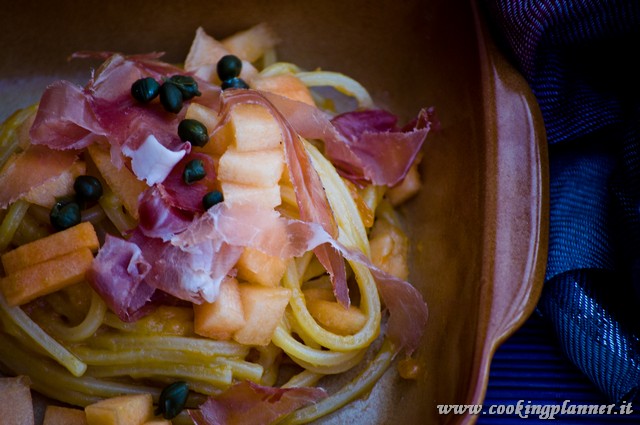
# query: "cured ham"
x,y
30,169
247,403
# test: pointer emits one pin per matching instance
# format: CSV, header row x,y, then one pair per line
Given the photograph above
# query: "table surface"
x,y
530,366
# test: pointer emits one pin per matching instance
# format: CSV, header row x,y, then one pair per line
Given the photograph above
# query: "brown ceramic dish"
x,y
478,227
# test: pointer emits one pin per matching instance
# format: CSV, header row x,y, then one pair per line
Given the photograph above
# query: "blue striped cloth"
x,y
580,59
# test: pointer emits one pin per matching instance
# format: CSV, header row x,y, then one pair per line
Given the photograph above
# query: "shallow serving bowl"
x,y
478,227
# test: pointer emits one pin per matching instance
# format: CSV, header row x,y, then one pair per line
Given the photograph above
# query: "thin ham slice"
x,y
117,274
246,403
365,146
31,168
310,196
65,119
276,235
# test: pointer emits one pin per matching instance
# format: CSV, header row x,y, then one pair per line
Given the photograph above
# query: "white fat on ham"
x,y
152,161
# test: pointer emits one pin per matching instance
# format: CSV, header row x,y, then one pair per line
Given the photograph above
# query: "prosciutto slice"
x,y
247,403
365,146
31,168
117,274
275,235
311,198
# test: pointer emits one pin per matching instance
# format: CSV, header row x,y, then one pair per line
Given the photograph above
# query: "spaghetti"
x,y
147,310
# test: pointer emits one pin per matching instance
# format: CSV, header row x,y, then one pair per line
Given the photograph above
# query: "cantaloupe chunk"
x,y
135,409
221,318
389,248
63,242
334,317
251,43
285,85
58,415
254,128
16,404
407,188
325,294
259,197
257,267
46,194
261,168
204,54
121,180
207,116
263,309
46,277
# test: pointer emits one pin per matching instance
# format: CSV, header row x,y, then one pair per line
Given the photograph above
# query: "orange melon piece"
x,y
58,415
261,168
389,249
64,242
254,128
257,267
47,193
16,404
285,85
407,188
121,180
46,277
334,317
263,309
221,318
251,44
135,409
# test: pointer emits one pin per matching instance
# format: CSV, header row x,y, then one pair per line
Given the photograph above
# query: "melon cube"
x,y
221,318
257,168
389,248
285,85
263,309
259,197
58,415
134,409
16,405
121,180
407,188
47,194
334,317
257,267
254,128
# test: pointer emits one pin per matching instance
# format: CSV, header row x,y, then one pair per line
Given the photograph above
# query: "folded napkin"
x,y
580,60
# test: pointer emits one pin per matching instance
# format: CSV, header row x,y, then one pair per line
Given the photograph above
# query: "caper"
x,y
234,83
145,89
172,399
211,198
87,188
190,130
193,171
187,85
171,97
228,67
64,214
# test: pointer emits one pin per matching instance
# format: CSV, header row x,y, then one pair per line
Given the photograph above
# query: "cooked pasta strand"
x,y
11,222
55,350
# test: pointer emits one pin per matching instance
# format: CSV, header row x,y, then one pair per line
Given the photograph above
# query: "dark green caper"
x,y
145,89
64,214
228,67
172,400
234,83
87,188
187,85
212,198
193,131
193,171
171,97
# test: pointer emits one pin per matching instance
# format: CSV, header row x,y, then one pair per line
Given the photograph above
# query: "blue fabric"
x,y
580,59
